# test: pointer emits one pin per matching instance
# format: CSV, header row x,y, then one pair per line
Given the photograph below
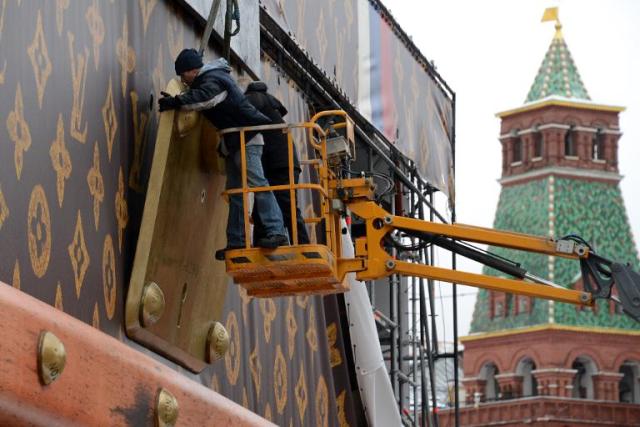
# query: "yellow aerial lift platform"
x,y
321,268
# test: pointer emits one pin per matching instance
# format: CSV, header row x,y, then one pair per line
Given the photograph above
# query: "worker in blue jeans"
x,y
214,92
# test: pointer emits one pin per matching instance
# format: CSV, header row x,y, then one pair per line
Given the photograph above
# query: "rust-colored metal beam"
x,y
104,382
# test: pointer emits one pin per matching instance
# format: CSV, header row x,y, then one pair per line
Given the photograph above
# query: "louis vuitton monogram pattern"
x,y
74,162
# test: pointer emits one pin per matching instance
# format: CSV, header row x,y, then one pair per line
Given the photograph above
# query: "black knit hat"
x,y
187,60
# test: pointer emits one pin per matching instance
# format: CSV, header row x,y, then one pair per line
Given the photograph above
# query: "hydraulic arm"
x,y
322,268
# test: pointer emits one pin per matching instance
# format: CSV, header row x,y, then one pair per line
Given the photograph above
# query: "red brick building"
x,y
543,363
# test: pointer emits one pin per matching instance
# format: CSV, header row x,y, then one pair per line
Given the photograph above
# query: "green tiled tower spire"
x,y
558,74
560,177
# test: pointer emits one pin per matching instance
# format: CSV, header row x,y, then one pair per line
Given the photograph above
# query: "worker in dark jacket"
x,y
275,160
213,91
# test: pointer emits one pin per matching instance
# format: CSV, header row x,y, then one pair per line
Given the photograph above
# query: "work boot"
x,y
220,253
273,241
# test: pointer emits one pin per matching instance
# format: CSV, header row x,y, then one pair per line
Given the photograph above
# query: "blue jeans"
x,y
264,201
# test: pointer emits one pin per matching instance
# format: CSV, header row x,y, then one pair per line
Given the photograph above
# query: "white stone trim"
x,y
561,127
563,172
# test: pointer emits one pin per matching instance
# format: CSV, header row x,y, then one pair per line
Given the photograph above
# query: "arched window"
x,y
529,384
570,148
583,380
517,148
491,388
597,145
629,387
538,143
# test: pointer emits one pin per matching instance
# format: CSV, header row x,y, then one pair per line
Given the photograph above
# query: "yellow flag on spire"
x,y
550,14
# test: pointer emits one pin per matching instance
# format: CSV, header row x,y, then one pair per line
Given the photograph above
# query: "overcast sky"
x,y
489,53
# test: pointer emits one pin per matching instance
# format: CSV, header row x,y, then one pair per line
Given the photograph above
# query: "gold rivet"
x,y
217,342
152,304
166,409
51,357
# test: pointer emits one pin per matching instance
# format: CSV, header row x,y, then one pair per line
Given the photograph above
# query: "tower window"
x,y
597,145
538,144
570,143
517,149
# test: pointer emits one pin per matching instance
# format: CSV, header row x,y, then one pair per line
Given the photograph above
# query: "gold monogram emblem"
x,y
302,301
39,231
96,28
215,383
109,276
280,380
40,59
79,79
122,211
246,299
16,275
78,255
232,357
301,394
332,335
61,5
256,369
126,56
312,334
109,119
139,123
322,403
96,184
4,209
146,7
268,309
58,301
95,320
60,159
18,132
292,328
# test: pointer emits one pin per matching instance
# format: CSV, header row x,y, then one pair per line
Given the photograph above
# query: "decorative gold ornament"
x,y
312,333
109,119
146,7
78,255
96,28
52,357
40,61
16,275
152,304
292,328
322,403
217,342
255,367
126,56
58,301
61,5
167,409
122,210
301,394
332,335
79,79
232,357
4,209
109,276
95,321
280,380
96,185
18,132
39,231
268,309
60,159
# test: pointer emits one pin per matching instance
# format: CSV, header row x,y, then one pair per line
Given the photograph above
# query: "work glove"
x,y
168,102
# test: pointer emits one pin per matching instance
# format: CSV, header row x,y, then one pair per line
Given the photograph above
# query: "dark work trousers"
x,y
280,176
